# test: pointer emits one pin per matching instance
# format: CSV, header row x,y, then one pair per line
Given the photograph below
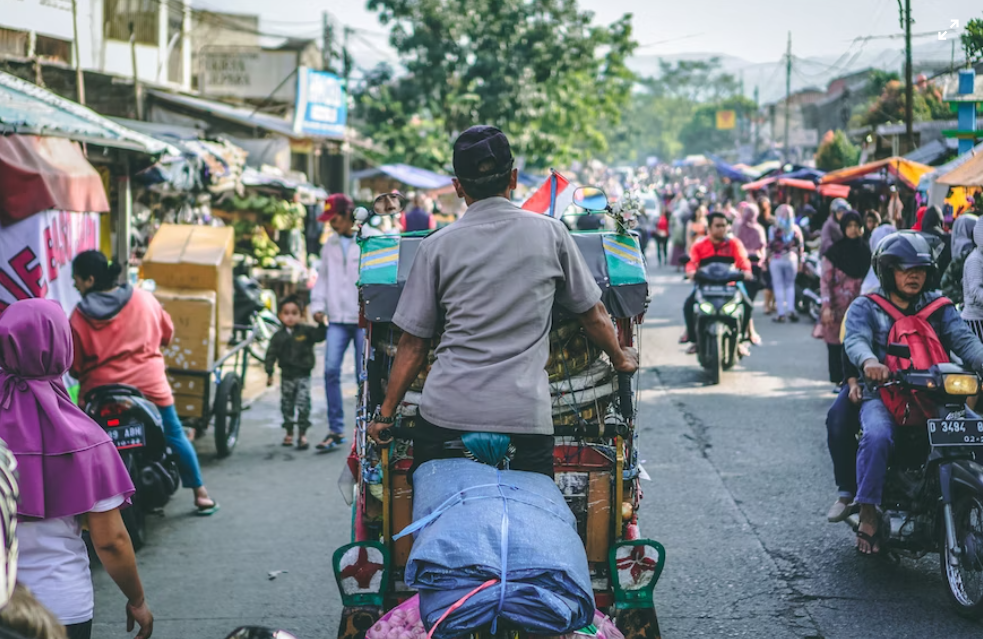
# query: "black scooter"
x,y
135,426
933,494
719,312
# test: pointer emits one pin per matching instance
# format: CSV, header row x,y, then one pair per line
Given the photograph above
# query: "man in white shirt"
x,y
335,300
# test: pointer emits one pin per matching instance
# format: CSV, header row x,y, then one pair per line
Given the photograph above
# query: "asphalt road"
x,y
741,481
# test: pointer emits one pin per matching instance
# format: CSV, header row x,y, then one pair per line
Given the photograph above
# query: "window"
x,y
118,15
13,42
45,47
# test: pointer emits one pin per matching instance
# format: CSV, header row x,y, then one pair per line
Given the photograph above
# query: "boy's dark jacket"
x,y
295,351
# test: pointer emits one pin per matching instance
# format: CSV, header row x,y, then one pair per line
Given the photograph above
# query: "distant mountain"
x,y
814,72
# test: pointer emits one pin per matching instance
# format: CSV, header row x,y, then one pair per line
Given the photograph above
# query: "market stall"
x,y
941,194
966,180
871,181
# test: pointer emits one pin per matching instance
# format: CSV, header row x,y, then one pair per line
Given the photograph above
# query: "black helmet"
x,y
905,250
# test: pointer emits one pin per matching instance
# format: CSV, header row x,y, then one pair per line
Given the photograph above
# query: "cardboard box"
x,y
193,313
200,258
187,384
189,405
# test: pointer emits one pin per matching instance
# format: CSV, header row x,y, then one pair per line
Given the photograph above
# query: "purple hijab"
x,y
65,460
749,231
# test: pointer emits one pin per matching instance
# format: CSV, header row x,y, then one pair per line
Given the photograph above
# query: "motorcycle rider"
x,y
717,244
906,268
491,280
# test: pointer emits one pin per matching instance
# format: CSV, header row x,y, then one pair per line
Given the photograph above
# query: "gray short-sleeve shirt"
x,y
492,278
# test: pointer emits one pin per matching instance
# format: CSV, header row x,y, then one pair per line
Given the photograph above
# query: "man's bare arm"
x,y
411,357
597,324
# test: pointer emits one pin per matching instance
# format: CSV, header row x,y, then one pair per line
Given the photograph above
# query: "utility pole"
x,y
788,92
346,58
326,32
79,76
757,124
908,88
137,92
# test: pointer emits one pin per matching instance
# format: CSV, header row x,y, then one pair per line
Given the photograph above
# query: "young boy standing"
x,y
293,347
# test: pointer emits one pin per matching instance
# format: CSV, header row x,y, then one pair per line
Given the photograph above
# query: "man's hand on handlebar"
x,y
875,372
379,433
628,362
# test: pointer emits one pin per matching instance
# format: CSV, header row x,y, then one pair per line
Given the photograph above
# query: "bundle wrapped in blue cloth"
x,y
472,524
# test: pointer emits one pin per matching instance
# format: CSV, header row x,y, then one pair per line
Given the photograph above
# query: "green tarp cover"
x,y
615,261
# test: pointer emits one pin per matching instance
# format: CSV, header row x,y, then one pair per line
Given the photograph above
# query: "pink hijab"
x,y
749,231
66,462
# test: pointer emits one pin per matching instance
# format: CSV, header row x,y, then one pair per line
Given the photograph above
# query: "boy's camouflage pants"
x,y
295,396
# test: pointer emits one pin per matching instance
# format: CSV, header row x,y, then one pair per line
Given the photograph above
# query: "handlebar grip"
x,y
625,395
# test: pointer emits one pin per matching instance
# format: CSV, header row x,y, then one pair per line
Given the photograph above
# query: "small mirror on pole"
x,y
590,198
389,203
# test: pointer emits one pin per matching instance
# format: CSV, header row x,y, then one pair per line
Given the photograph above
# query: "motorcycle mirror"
x,y
259,632
590,198
901,351
389,203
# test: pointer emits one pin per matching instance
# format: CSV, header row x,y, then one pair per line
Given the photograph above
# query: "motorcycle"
x,y
933,494
808,301
135,426
719,312
255,307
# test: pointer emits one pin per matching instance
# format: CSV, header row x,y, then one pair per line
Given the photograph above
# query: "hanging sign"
x,y
322,107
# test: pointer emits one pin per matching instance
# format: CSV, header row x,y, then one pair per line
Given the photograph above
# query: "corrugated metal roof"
x,y
28,109
239,115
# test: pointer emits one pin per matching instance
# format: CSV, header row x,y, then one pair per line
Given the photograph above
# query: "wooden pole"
x,y
788,92
138,102
79,76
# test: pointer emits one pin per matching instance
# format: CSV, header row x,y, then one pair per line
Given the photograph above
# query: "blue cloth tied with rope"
x,y
473,523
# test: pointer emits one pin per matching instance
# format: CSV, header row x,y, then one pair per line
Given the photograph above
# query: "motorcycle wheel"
x,y
228,414
714,357
730,351
965,581
135,521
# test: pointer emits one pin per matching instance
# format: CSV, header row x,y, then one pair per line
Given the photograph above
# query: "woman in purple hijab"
x,y
69,469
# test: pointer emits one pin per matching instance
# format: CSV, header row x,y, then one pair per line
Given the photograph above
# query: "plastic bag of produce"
x,y
472,524
402,622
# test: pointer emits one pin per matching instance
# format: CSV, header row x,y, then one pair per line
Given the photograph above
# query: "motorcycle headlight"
x,y
707,308
961,384
730,308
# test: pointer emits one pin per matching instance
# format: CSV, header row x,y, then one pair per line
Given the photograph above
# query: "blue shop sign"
x,y
321,104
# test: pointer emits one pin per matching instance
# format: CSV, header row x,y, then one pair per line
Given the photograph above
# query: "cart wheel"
x,y
228,414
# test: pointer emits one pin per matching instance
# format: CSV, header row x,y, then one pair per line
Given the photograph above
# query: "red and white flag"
x,y
544,199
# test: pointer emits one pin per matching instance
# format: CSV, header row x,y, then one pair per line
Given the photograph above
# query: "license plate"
x,y
955,432
131,435
717,290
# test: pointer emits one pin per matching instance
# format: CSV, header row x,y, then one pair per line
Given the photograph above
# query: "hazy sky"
x,y
755,30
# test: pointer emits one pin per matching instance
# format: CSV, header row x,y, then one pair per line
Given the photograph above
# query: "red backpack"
x,y
911,408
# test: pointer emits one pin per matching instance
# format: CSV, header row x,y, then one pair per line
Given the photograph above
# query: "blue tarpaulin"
x,y
473,524
728,171
408,175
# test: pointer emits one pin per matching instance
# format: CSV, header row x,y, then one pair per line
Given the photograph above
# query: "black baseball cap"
x,y
477,145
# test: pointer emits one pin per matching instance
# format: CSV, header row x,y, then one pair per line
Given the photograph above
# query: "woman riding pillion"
x,y
118,332
907,271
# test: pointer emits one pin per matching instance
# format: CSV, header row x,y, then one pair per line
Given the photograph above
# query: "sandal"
x,y
793,317
684,338
691,350
302,443
288,440
871,540
206,510
779,320
330,443
755,340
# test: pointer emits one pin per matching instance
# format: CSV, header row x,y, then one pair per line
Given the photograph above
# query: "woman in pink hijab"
x,y
752,235
69,470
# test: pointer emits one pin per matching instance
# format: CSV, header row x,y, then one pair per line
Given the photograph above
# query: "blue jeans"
x,y
187,458
842,426
875,448
339,336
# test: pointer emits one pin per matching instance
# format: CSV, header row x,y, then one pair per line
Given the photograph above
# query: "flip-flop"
x,y
287,444
755,340
303,445
206,511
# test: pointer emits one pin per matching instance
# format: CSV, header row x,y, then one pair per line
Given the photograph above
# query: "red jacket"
x,y
706,248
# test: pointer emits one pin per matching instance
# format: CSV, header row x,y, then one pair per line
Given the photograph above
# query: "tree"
x,y
972,40
836,152
890,107
662,107
537,69
701,135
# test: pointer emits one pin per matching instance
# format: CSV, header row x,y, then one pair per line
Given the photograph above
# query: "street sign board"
x,y
726,119
248,73
322,107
